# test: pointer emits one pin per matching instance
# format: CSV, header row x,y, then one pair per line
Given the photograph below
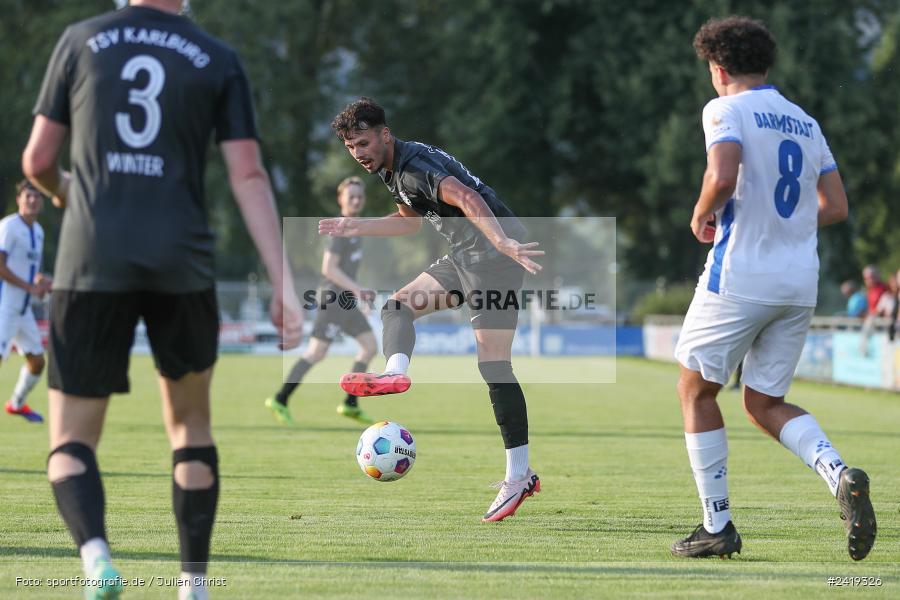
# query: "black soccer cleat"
x,y
857,512
702,544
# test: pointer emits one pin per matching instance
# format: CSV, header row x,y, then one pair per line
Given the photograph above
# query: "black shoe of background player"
x,y
857,512
702,544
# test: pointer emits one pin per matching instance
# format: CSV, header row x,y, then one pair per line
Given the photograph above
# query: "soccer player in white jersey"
x,y
770,182
21,246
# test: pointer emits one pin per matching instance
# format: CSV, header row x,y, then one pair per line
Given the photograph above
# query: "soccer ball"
x,y
386,451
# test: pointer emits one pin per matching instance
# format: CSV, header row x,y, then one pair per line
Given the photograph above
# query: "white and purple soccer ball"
x,y
386,451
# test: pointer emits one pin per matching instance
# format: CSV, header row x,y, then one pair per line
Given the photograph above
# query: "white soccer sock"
x,y
397,363
708,453
24,385
91,551
192,583
516,463
803,436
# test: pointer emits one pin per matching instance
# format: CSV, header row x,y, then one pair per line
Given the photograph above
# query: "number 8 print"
x,y
145,98
790,165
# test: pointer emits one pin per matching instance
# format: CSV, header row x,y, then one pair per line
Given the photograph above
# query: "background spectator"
x,y
895,313
857,305
874,287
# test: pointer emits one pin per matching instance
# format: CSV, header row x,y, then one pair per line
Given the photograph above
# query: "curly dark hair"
x,y
740,45
362,114
26,185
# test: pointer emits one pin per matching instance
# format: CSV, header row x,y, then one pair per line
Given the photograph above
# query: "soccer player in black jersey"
x,y
486,261
139,92
339,300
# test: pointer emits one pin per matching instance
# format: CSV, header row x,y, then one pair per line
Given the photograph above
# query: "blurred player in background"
x,y
21,249
339,297
485,257
770,181
141,91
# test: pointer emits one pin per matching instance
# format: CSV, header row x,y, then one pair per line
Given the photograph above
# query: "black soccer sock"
x,y
195,510
79,498
507,400
399,335
358,367
298,371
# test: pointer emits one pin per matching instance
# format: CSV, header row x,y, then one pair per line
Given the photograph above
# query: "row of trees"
x,y
563,106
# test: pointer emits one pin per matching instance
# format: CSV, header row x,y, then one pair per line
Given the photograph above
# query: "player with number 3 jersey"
x,y
140,92
770,183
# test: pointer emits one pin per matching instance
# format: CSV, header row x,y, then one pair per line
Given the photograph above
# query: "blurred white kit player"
x,y
21,249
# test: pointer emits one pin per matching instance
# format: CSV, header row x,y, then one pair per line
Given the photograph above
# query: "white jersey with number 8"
x,y
766,235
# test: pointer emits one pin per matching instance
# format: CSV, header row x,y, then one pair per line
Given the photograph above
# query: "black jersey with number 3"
x,y
142,91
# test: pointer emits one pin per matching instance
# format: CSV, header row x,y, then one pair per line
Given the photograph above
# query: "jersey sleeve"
x,y
234,114
721,123
7,239
53,100
828,163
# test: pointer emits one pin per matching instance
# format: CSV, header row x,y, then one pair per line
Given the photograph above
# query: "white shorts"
x,y
22,330
719,332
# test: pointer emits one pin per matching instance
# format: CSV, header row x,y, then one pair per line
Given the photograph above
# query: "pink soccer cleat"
x,y
374,384
512,494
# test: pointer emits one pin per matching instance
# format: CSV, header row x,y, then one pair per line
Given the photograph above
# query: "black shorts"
x,y
336,316
488,288
91,334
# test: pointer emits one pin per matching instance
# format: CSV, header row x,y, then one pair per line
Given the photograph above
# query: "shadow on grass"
x,y
159,475
711,568
38,553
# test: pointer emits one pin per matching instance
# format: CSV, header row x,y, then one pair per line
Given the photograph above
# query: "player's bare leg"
x,y
520,482
278,404
195,474
423,296
707,446
75,426
801,434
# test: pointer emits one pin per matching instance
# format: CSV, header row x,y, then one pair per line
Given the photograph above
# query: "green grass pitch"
x,y
297,518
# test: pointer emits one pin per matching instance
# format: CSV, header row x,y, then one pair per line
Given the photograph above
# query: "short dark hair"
x,y
362,114
740,45
26,185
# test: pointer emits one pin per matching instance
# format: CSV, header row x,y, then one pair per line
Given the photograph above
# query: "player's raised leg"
x,y
707,446
424,295
367,348
75,426
508,401
768,376
195,474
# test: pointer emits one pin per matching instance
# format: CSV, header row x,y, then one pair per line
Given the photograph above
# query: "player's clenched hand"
x,y
43,284
521,253
287,317
704,228
339,227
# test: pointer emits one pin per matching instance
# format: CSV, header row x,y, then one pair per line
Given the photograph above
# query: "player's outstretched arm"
x,y
253,194
833,205
40,160
719,181
403,222
472,205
